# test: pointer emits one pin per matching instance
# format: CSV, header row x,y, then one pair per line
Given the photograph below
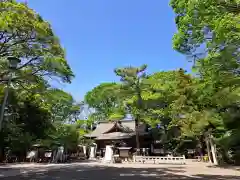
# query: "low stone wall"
x,y
159,160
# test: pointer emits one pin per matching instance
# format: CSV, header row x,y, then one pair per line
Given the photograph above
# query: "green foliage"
x,y
209,31
212,23
67,135
62,105
32,121
25,123
132,87
186,107
105,99
25,35
116,116
35,111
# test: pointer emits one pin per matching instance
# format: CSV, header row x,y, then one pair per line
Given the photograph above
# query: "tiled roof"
x,y
115,135
101,129
104,127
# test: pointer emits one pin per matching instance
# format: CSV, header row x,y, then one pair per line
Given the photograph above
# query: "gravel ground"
x,y
98,171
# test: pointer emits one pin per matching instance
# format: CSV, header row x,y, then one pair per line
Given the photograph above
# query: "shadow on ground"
x,y
82,172
237,168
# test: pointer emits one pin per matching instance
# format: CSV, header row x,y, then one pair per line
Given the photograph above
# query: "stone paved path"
x,y
97,171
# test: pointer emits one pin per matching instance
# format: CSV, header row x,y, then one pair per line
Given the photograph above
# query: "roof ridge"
x,y
121,120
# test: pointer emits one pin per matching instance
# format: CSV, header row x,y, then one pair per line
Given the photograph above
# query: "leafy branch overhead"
x,y
25,35
35,112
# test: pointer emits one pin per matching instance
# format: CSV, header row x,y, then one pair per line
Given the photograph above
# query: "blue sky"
x,y
100,35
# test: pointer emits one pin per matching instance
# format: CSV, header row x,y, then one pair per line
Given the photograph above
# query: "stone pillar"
x,y
108,157
92,153
84,150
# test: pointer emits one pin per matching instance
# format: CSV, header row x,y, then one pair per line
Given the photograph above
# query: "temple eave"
x,y
115,136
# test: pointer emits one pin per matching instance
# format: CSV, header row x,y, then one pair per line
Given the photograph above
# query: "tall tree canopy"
x,y
25,35
209,31
35,112
62,105
131,87
105,100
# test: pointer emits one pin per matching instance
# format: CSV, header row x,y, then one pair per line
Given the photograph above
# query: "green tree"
x,y
209,32
162,101
213,24
26,122
61,105
25,35
132,78
106,101
35,111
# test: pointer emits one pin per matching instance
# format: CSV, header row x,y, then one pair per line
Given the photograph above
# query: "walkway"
x,y
96,171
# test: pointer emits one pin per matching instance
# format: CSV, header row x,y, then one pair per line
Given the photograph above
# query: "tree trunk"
x,y
1,154
140,106
213,149
200,151
2,146
164,139
137,136
208,150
